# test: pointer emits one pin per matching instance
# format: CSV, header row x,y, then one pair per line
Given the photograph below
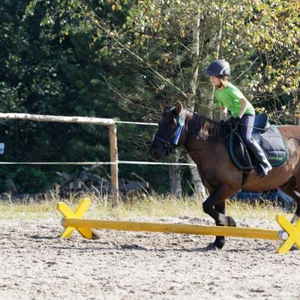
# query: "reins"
x,y
171,144
233,131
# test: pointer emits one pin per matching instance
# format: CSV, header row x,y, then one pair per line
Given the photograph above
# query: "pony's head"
x,y
171,131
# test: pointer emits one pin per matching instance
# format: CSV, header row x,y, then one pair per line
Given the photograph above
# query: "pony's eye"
x,y
171,126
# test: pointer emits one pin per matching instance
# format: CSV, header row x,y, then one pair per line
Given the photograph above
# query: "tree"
x,y
119,58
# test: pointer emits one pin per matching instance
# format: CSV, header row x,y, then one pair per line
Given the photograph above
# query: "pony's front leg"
x,y
220,240
216,209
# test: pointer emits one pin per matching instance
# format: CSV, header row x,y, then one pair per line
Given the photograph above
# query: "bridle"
x,y
167,143
175,136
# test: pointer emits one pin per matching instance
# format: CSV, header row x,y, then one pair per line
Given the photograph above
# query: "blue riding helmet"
x,y
218,67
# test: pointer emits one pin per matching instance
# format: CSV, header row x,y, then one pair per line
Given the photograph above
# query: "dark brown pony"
x,y
206,141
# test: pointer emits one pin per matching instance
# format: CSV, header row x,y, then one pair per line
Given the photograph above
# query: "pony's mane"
x,y
205,128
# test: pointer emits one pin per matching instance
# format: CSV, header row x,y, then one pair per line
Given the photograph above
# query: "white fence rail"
x,y
82,120
111,123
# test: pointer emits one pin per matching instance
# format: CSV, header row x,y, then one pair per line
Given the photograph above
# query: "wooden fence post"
x,y
114,163
82,120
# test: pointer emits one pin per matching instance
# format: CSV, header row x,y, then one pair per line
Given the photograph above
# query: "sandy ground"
x,y
37,264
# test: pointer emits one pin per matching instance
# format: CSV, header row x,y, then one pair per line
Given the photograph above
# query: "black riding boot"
x,y
261,158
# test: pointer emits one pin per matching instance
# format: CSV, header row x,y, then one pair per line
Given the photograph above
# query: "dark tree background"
x,y
119,59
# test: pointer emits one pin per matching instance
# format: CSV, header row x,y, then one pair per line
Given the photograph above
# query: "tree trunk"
x,y
218,43
175,177
199,189
198,186
297,107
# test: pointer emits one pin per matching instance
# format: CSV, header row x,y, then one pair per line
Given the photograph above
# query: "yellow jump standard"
x,y
290,234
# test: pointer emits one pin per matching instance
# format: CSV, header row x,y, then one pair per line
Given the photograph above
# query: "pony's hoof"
x,y
211,247
218,243
231,222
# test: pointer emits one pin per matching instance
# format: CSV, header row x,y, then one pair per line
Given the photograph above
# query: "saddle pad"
x,y
273,144
270,140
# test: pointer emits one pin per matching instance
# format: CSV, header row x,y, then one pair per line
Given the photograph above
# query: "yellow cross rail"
x,y
73,220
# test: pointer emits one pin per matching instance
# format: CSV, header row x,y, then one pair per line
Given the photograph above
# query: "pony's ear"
x,y
163,107
178,107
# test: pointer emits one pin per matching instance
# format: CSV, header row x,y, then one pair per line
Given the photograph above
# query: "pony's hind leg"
x,y
292,188
296,216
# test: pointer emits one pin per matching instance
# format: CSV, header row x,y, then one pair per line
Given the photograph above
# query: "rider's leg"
x,y
246,128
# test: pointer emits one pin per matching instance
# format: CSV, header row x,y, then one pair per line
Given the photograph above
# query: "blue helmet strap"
x,y
179,129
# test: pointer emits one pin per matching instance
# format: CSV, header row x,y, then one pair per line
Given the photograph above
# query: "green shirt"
x,y
230,98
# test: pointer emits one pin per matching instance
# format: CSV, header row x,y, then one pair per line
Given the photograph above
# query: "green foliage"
x,y
118,59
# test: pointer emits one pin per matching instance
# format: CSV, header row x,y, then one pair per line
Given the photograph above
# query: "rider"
x,y
230,98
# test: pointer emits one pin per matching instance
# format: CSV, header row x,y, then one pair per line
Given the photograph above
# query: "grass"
x,y
133,207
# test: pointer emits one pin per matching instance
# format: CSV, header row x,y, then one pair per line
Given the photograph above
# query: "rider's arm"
x,y
244,102
223,112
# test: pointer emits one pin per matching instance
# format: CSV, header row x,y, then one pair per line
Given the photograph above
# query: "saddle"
x,y
269,138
